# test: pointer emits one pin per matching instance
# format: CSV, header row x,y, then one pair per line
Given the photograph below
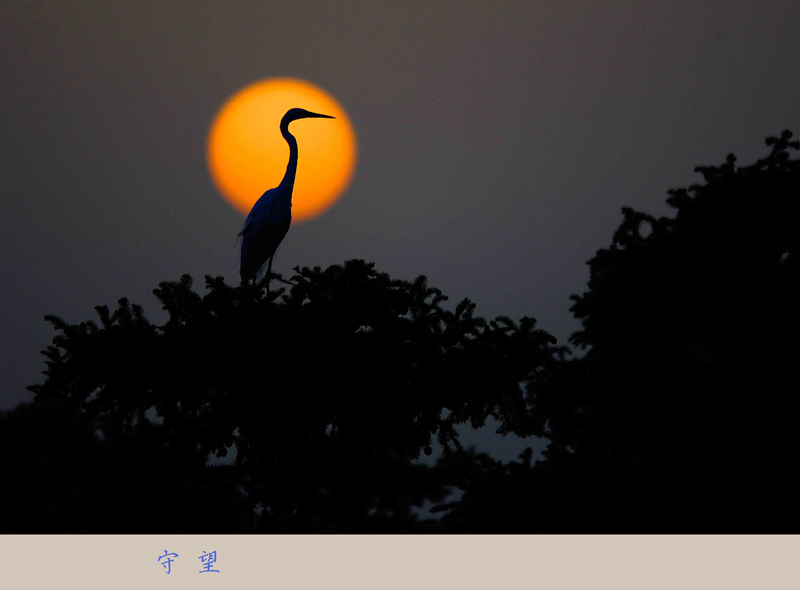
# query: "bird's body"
x,y
271,216
265,228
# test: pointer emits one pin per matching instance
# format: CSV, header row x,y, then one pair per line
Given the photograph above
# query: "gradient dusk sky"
x,y
497,140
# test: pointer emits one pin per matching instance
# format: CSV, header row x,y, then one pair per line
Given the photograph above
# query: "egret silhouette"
x,y
271,216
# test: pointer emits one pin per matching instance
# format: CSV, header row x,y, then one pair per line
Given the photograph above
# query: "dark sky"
x,y
498,140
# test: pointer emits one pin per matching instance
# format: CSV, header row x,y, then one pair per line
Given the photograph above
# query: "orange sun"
x,y
247,155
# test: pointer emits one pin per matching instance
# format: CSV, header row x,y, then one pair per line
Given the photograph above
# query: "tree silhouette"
x,y
328,393
681,416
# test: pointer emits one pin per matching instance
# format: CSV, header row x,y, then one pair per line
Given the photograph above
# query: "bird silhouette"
x,y
271,216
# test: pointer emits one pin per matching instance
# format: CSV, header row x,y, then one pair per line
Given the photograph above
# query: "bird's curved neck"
x,y
291,169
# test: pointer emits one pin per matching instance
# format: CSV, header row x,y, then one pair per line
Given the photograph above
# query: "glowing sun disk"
x,y
247,155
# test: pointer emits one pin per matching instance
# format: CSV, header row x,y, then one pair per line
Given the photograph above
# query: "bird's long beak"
x,y
318,116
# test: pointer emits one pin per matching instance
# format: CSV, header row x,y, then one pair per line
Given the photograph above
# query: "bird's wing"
x,y
261,211
265,227
249,220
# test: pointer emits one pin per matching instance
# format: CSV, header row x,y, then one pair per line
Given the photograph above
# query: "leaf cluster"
x,y
327,390
680,409
679,416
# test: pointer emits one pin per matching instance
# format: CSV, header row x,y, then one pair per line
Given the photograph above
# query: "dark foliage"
x,y
679,417
682,415
328,393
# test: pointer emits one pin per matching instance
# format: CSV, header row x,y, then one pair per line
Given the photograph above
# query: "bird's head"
x,y
295,114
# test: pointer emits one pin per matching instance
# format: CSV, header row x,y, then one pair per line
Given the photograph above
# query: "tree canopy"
x,y
677,417
328,392
681,415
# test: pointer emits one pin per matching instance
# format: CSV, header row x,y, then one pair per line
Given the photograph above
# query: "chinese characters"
x,y
167,557
208,560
